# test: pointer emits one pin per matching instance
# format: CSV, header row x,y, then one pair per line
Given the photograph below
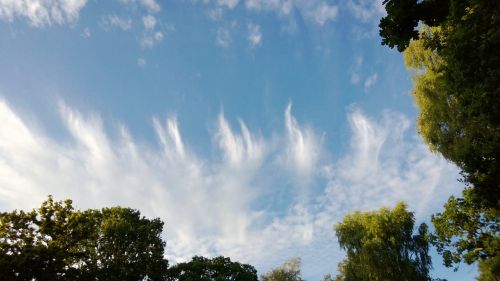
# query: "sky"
x,y
250,127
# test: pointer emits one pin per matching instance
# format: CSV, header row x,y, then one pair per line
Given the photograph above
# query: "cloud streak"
x,y
227,204
254,35
116,21
316,11
41,13
366,10
223,37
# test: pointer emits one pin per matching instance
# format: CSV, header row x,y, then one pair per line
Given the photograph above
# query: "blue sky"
x,y
249,126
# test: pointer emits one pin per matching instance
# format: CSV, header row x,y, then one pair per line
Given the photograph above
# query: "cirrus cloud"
x,y
242,202
40,13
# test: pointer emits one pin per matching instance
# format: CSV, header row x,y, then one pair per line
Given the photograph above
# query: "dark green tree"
x,y
216,269
57,242
39,244
381,245
403,17
289,271
124,246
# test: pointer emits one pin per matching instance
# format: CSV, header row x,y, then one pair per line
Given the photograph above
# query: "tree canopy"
x,y
458,95
57,242
381,245
456,66
216,269
289,271
403,17
468,232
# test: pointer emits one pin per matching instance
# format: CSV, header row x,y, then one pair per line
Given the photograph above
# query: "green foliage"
x,y
128,247
457,89
216,269
380,245
57,242
289,271
465,231
489,270
456,83
329,277
458,93
469,43
398,27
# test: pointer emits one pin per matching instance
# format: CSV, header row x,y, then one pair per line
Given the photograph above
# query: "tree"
x,y
57,242
380,245
467,232
216,269
329,277
457,89
457,92
289,271
124,246
457,64
403,17
489,270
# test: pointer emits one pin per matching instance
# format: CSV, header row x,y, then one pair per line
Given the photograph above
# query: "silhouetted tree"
x,y
216,269
399,26
57,242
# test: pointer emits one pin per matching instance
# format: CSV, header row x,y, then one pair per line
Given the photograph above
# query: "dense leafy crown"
x,y
57,242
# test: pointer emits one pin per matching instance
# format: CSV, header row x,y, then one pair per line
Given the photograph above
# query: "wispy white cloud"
x,y
149,39
366,10
215,14
367,15
316,11
354,78
218,205
150,5
282,7
254,35
40,13
239,149
141,61
324,12
383,165
150,36
357,74
355,70
228,3
303,147
370,81
149,21
116,21
154,31
223,37
86,33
